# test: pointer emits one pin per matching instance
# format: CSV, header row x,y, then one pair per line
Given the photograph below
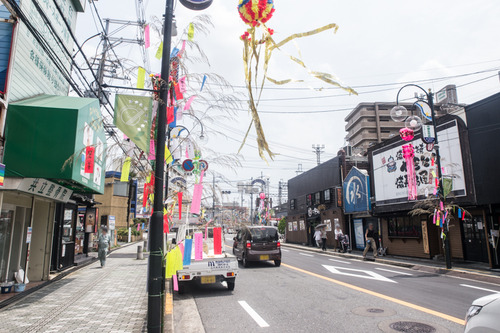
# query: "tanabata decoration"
x,y
198,246
406,134
179,201
126,169
256,13
89,159
141,78
409,155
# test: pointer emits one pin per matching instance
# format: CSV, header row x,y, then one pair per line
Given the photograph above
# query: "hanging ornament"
x,y
414,123
406,134
257,53
409,155
399,113
255,12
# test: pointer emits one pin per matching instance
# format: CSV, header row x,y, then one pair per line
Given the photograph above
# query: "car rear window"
x,y
264,234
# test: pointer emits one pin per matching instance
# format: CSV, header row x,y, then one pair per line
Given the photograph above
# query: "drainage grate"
x,y
412,327
372,310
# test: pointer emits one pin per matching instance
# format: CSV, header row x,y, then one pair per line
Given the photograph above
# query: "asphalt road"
x,y
312,292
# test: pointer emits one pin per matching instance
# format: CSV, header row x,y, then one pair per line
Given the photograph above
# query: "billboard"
x,y
389,167
357,192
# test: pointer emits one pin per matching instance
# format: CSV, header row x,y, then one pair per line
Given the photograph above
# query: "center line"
x,y
255,316
307,255
474,287
341,261
396,272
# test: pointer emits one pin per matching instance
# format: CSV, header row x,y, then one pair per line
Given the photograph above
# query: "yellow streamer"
x,y
141,77
126,170
191,32
159,52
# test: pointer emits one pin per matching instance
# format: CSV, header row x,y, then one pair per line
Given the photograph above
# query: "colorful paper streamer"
x,y
159,52
147,39
89,159
126,169
141,77
188,248
198,246
217,241
191,32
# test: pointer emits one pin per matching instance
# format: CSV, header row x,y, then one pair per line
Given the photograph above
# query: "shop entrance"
x,y
311,228
475,242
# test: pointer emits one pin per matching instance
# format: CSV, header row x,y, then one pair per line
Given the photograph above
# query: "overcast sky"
x,y
378,43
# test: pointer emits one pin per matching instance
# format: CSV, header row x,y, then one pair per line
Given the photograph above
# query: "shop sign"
x,y
28,235
357,192
112,222
45,188
313,211
389,167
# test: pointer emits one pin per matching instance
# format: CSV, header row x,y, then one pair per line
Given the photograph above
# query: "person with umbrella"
x,y
317,236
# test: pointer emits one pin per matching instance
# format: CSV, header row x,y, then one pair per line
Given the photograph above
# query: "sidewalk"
x,y
470,270
92,299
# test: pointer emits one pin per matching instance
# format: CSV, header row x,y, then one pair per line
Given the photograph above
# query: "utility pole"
x,y
318,150
299,169
155,276
100,71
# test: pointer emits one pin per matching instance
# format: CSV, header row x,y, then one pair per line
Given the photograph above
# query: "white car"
x,y
482,316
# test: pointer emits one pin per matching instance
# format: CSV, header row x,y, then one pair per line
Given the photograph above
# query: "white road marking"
x,y
307,255
341,261
285,250
255,316
364,274
396,272
474,287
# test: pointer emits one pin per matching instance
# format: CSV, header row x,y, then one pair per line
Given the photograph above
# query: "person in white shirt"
x,y
338,235
317,237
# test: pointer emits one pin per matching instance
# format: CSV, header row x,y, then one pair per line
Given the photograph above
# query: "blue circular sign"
x,y
188,165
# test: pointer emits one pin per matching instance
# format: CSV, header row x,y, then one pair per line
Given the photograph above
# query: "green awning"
x,y
46,137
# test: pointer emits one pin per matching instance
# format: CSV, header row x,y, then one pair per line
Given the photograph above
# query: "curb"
x,y
168,319
58,277
483,277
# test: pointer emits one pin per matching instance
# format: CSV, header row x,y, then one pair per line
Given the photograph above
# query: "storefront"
x,y
407,227
40,180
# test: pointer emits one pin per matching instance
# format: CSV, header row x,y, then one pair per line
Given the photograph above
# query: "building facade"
x,y
315,197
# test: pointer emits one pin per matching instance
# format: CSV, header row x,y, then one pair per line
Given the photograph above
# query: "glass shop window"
x,y
404,226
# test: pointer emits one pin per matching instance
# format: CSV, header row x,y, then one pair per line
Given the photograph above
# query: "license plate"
x,y
266,257
207,279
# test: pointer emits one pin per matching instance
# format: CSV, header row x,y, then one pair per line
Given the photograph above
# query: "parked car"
x,y
257,243
482,316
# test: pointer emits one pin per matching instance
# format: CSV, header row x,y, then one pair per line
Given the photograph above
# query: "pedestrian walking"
x,y
370,241
317,237
103,244
338,235
323,238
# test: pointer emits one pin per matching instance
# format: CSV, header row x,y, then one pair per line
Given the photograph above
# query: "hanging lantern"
x,y
406,134
255,12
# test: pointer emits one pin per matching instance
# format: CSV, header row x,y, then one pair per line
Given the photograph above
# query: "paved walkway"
x,y
92,299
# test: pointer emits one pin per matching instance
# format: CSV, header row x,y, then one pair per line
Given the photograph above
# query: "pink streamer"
x,y
435,216
179,114
176,283
181,248
188,103
182,84
151,150
196,203
147,40
198,246
183,48
442,205
409,154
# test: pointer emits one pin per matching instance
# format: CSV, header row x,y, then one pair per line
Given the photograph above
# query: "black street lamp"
x,y
156,282
430,102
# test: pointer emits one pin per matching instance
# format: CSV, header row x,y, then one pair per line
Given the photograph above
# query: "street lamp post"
x,y
430,102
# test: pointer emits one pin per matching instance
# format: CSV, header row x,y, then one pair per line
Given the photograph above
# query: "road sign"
x,y
203,165
112,222
428,135
28,235
188,165
441,96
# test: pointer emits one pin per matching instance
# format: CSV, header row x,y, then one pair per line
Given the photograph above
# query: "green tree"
x,y
282,225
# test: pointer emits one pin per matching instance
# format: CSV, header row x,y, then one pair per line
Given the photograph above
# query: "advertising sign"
x,y
112,222
390,175
33,71
357,192
28,235
358,232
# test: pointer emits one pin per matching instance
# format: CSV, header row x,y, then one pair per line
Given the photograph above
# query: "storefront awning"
x,y
46,137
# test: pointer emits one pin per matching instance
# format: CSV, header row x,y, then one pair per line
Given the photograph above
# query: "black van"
x,y
257,243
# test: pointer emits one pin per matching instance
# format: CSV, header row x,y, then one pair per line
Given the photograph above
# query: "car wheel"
x,y
277,263
244,260
230,284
